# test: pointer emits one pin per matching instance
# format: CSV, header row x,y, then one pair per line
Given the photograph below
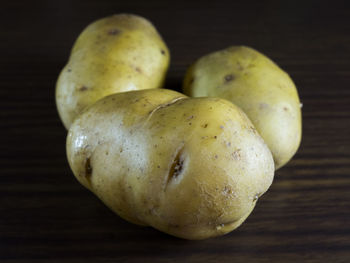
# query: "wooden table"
x,y
47,216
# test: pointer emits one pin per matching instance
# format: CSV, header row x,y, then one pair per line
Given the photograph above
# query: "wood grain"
x,y
47,216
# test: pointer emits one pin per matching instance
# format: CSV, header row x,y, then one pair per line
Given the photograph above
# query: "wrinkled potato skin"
x,y
259,87
114,54
190,167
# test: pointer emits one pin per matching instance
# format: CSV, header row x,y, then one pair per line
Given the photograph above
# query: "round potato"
x,y
114,54
258,86
191,167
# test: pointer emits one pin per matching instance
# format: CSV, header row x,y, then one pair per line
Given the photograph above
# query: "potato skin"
x,y
190,167
114,54
259,87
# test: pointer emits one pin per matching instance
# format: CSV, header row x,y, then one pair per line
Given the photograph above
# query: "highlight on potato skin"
x,y
114,54
259,87
190,167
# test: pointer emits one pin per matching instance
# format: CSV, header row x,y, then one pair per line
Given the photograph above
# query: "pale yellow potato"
x,y
190,167
114,54
257,85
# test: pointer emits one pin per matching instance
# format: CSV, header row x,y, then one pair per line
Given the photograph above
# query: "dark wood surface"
x,y
47,216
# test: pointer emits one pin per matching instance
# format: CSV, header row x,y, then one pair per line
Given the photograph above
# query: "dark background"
x,y
47,216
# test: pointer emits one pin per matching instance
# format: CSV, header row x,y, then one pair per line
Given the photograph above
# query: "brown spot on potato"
x,y
113,32
138,70
163,52
285,108
177,166
69,70
205,125
83,88
215,137
229,77
88,168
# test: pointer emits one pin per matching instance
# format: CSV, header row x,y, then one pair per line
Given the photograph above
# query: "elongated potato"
x,y
191,167
258,86
114,54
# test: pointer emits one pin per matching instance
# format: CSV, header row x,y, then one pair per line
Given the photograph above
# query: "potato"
x,y
114,54
258,86
190,167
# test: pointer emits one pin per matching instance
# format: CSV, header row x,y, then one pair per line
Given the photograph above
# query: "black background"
x,y
47,216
